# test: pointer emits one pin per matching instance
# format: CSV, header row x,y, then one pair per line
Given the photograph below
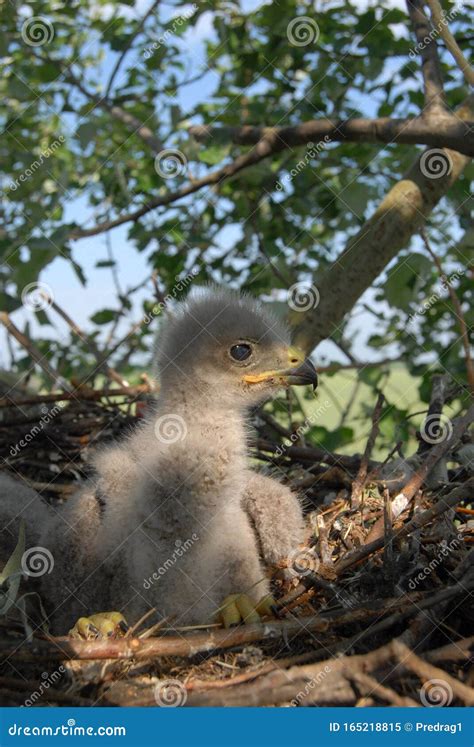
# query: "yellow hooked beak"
x,y
300,371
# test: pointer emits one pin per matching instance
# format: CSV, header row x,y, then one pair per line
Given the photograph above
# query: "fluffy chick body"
x,y
173,518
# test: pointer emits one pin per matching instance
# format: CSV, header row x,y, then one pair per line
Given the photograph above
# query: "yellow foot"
x,y
101,625
239,608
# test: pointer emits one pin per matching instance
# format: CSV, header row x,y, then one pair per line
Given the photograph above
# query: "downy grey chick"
x,y
174,518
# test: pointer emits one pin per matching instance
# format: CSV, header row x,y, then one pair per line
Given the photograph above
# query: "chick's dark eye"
x,y
241,352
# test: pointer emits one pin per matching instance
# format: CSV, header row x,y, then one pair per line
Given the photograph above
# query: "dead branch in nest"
x,y
81,393
408,492
455,496
360,481
426,671
182,645
326,683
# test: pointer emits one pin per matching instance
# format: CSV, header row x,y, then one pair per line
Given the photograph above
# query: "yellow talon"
x,y
100,625
239,608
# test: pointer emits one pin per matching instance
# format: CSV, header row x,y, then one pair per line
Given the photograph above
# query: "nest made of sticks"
x,y
375,611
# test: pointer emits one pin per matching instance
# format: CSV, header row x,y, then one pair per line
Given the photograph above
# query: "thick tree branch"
x,y
430,67
262,150
440,132
438,17
401,214
455,131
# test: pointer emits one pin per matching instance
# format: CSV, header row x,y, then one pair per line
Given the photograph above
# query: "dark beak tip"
x,y
305,374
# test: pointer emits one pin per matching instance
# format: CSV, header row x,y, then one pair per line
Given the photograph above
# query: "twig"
x,y
388,538
437,14
428,672
454,497
437,399
33,351
127,46
324,549
460,651
360,481
182,645
82,393
430,67
90,344
371,686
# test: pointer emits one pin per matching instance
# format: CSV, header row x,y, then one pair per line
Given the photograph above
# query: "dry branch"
x,y
451,133
448,501
437,15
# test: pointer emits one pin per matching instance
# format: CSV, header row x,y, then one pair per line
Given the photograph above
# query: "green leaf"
x,y
104,316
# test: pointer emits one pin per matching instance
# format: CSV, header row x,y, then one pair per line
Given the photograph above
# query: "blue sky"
x,y
100,291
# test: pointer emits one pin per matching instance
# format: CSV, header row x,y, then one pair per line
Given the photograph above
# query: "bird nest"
x,y
374,612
